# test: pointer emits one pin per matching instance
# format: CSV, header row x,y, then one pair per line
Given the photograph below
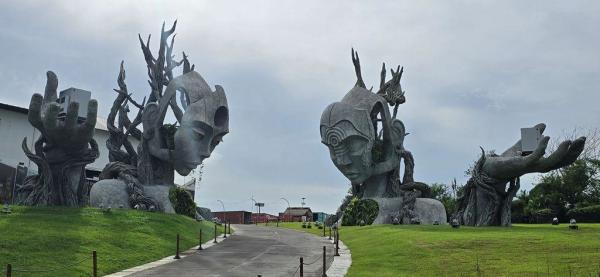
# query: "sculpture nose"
x,y
343,160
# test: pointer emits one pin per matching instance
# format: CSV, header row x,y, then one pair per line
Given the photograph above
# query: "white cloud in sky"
x,y
475,72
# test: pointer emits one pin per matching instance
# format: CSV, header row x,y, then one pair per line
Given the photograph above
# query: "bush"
x,y
586,214
182,201
360,212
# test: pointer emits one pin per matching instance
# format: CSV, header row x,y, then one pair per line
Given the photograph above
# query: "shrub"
x,y
182,201
585,214
360,212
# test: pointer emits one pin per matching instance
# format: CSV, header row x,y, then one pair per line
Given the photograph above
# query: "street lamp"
x,y
253,205
288,209
224,214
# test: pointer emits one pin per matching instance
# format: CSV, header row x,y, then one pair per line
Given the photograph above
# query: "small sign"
x,y
259,204
530,138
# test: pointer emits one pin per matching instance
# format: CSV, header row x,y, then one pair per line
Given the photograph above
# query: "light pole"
x,y
288,209
224,214
253,205
303,202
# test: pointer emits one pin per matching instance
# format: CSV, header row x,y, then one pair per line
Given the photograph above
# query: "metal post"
x,y
301,267
277,221
94,264
8,270
215,241
329,232
229,228
323,229
337,242
200,240
177,250
324,262
225,230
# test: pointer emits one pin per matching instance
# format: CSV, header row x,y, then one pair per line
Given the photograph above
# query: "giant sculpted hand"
x,y
512,164
68,135
494,179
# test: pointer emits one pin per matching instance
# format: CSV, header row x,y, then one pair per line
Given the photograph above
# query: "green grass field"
x,y
50,238
427,250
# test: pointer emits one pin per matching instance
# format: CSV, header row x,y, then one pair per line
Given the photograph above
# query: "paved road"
x,y
252,251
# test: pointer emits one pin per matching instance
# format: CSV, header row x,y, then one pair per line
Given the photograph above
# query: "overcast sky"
x,y
475,73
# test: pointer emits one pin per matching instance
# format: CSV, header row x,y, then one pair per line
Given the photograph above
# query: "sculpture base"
x,y
427,210
113,193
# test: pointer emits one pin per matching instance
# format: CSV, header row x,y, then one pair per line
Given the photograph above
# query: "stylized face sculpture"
x,y
202,129
349,135
203,125
350,151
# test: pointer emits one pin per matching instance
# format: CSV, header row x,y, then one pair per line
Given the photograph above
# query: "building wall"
x,y
235,217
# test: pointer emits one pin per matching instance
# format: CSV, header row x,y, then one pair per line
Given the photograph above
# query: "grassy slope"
x,y
523,250
46,238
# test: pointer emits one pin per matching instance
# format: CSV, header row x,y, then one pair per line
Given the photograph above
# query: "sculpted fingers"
x,y
72,115
90,122
51,85
35,110
50,118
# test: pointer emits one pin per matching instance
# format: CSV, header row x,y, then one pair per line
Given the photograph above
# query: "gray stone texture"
x,y
366,143
164,148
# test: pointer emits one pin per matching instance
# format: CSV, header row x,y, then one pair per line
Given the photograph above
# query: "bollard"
x,y
329,232
301,267
177,249
337,242
229,228
324,262
225,230
200,239
94,264
215,241
8,270
323,230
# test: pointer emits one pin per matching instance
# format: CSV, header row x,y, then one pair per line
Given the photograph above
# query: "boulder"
x,y
113,193
427,210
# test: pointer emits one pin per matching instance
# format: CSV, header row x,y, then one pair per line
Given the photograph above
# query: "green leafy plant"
x,y
360,212
182,201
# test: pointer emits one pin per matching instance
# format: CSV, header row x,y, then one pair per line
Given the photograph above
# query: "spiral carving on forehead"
x,y
334,136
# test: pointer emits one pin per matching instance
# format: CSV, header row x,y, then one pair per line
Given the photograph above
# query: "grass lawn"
x,y
33,238
427,250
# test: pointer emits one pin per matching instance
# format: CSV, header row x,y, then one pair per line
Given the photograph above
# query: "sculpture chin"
x,y
185,168
356,178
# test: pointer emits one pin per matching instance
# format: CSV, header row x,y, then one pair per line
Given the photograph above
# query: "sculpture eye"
x,y
198,133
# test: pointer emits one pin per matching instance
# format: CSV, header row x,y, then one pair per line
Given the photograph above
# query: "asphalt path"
x,y
253,251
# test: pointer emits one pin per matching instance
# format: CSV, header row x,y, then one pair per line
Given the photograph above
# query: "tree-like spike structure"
x,y
356,62
137,168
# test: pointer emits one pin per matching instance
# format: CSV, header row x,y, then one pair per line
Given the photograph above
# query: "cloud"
x,y
474,74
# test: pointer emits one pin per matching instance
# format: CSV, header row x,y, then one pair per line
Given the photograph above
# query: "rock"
x,y
113,193
109,192
430,210
205,213
427,210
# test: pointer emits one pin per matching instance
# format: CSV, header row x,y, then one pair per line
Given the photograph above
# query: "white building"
x,y
14,126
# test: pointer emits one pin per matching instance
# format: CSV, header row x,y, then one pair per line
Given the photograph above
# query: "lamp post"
x,y
253,205
288,209
224,214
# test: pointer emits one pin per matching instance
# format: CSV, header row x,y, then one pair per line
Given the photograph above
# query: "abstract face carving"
x,y
203,124
350,151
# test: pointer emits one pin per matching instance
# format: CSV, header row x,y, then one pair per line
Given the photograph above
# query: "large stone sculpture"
x,y
495,179
61,152
142,179
365,142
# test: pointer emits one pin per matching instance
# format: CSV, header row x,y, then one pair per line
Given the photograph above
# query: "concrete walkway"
x,y
252,251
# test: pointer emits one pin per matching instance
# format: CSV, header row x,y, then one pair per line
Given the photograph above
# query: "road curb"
x,y
166,260
340,265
